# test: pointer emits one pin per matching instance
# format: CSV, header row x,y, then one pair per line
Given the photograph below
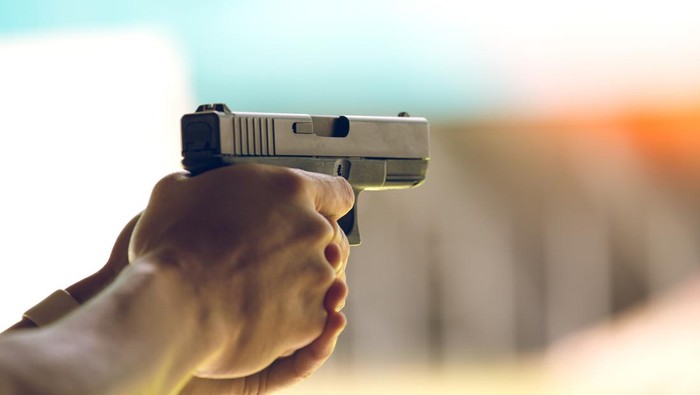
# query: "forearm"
x,y
142,335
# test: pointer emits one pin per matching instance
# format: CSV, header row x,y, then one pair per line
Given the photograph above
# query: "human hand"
x,y
253,242
286,371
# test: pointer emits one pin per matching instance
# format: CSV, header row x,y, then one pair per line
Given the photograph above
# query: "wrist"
x,y
218,312
151,323
148,324
183,303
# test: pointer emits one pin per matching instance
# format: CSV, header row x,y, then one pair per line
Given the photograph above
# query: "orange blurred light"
x,y
670,136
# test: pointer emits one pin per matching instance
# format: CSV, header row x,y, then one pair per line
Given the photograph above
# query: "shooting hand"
x,y
260,248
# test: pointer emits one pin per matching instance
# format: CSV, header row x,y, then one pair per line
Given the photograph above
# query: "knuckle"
x,y
290,183
346,189
343,243
316,228
166,183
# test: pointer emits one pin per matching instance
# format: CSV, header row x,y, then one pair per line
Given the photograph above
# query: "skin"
x,y
228,267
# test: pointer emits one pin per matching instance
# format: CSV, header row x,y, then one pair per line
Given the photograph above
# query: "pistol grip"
x,y
348,223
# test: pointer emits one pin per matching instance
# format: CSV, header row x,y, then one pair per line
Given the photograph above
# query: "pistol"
x,y
372,153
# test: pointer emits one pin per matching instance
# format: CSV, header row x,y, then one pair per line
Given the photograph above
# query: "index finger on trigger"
x,y
333,195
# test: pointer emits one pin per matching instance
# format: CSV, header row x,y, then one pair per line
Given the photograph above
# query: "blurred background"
x,y
562,192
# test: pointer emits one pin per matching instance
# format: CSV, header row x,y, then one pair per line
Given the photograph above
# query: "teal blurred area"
x,y
368,57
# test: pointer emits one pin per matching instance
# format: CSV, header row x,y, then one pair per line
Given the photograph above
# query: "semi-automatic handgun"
x,y
372,153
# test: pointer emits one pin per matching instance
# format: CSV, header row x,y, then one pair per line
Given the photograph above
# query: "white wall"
x,y
90,121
